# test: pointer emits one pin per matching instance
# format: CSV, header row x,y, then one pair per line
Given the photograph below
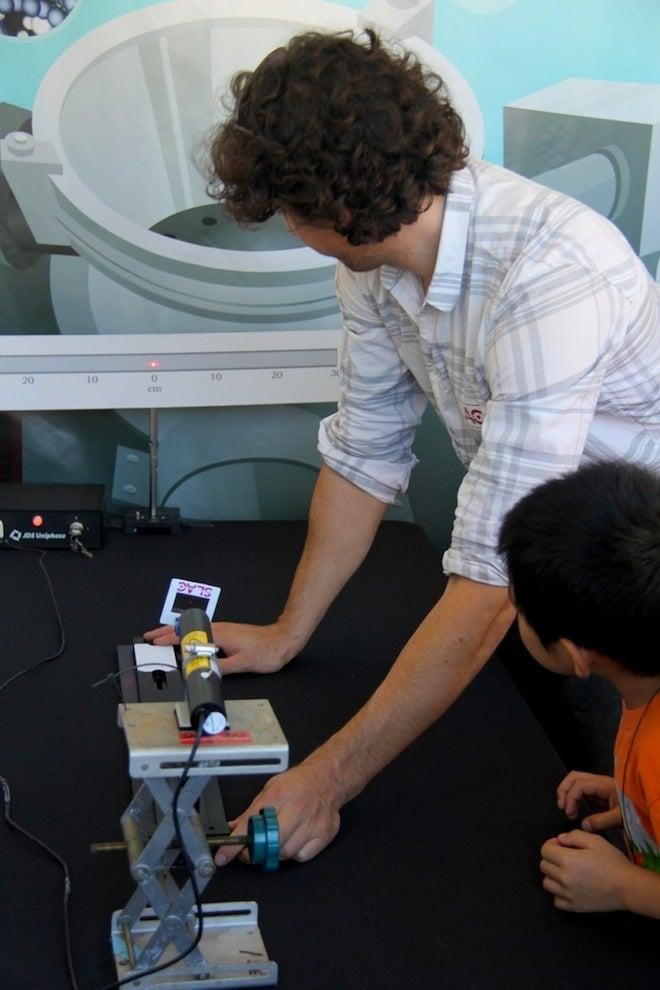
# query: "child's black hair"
x,y
583,555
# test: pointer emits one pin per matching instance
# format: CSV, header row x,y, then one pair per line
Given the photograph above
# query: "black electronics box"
x,y
41,515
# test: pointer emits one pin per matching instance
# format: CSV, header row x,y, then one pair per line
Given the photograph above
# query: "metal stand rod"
x,y
214,842
153,519
153,464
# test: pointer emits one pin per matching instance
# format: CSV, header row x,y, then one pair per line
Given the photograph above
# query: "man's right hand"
x,y
308,818
248,649
577,785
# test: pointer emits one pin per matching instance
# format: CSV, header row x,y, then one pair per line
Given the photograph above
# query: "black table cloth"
x,y
433,880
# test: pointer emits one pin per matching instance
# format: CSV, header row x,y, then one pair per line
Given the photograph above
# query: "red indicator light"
x,y
37,521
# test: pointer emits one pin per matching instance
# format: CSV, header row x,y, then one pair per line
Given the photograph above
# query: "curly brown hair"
x,y
329,128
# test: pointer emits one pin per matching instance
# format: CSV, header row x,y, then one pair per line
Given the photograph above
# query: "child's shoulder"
x,y
647,744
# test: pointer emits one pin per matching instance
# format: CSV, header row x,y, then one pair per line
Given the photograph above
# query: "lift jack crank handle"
x,y
262,840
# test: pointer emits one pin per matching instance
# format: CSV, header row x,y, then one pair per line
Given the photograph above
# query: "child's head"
x,y
583,556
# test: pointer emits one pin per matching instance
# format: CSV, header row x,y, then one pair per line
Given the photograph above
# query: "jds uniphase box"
x,y
42,515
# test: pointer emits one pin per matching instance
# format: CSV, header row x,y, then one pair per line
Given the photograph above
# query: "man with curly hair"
x,y
523,317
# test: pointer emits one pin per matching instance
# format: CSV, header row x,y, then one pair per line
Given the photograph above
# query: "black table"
x,y
433,880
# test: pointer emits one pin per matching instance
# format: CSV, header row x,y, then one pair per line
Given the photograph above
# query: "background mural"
x,y
105,226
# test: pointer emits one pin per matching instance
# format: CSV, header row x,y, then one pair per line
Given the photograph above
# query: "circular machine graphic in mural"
x,y
117,170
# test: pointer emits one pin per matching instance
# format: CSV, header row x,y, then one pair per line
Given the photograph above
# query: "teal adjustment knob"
x,y
264,839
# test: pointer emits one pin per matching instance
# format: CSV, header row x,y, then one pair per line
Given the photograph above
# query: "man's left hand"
x,y
584,872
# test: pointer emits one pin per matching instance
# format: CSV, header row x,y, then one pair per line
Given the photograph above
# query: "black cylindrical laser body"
x,y
201,674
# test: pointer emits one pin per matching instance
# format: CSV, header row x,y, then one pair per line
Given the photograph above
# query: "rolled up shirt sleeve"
x,y
548,350
369,439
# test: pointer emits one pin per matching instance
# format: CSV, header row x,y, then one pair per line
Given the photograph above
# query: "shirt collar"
x,y
446,281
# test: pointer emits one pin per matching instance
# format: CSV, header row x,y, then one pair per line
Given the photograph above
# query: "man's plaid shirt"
x,y
538,343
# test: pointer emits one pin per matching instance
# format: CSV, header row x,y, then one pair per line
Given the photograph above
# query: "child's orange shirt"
x,y
637,776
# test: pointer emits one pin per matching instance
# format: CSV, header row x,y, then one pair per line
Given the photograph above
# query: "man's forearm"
x,y
438,662
343,520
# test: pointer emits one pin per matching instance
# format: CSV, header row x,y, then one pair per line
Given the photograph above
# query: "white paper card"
x,y
148,657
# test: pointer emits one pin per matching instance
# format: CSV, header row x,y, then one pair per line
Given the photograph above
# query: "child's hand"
x,y
585,873
577,785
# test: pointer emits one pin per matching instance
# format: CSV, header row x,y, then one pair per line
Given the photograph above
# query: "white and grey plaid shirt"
x,y
538,343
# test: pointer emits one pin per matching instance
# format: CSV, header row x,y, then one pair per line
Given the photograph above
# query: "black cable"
x,y
141,973
114,674
230,463
58,617
65,869
5,785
